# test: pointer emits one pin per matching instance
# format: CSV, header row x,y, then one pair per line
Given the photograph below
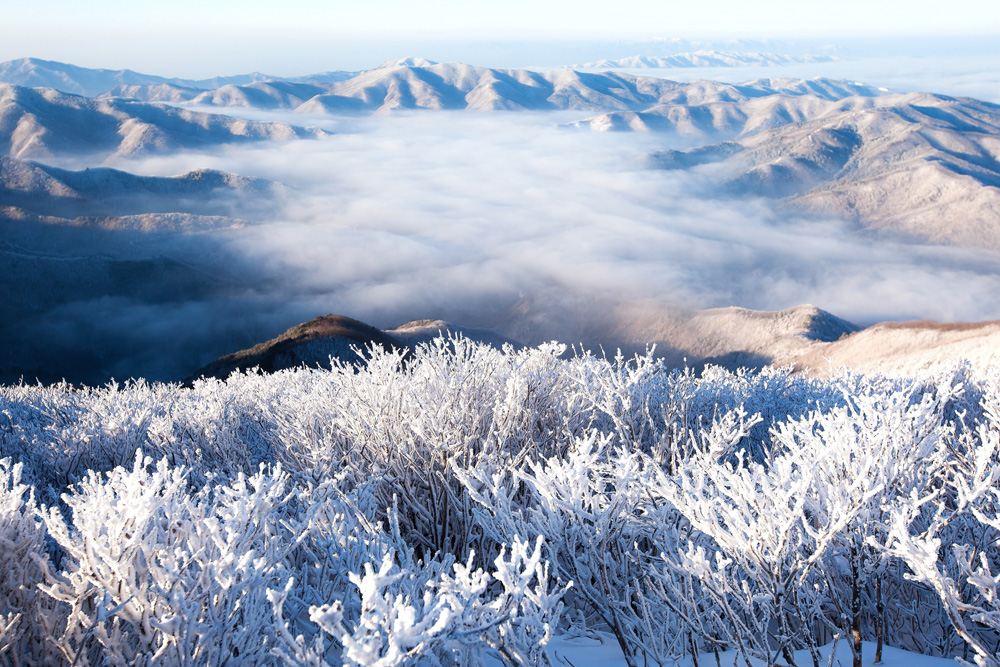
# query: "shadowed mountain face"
x,y
314,343
71,311
105,196
927,166
41,122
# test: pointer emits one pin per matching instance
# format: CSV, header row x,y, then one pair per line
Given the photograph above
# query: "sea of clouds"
x,y
469,216
508,220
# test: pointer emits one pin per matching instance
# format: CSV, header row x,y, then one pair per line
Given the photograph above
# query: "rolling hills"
x,y
30,189
36,122
90,82
919,164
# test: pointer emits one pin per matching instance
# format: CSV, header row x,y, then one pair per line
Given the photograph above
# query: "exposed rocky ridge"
x,y
312,343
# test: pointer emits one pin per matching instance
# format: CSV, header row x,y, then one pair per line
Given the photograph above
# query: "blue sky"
x,y
195,38
514,17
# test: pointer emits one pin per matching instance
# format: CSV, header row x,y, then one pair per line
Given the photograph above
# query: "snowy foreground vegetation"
x,y
466,505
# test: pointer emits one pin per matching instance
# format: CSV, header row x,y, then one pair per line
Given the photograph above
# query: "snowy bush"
x,y
464,503
156,574
413,612
26,614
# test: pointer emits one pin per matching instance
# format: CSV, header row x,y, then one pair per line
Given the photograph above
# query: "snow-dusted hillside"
x,y
39,122
705,110
918,164
419,84
36,189
805,338
38,73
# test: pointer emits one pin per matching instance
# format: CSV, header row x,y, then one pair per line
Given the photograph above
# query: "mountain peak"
x,y
410,61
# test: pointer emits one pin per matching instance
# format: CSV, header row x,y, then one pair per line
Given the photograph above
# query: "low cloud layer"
x,y
508,221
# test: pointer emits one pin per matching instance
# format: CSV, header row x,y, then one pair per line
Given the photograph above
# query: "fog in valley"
x,y
505,220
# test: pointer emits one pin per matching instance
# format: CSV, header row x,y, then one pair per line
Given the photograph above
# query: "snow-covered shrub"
x,y
750,549
155,574
25,613
757,511
602,530
965,577
419,611
399,429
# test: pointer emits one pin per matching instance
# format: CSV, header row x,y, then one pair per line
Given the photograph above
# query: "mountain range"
x,y
919,164
77,244
38,73
36,122
705,58
459,86
110,198
927,166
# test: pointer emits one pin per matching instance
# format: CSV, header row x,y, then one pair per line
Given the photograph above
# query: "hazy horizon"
x,y
306,36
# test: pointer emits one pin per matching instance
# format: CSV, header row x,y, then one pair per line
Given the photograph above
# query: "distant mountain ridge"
x,y
415,83
466,87
705,58
38,73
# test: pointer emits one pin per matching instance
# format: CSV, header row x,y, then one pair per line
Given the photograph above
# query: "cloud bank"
x,y
507,221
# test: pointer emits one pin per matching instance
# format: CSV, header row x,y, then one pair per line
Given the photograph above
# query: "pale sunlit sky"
x,y
210,37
